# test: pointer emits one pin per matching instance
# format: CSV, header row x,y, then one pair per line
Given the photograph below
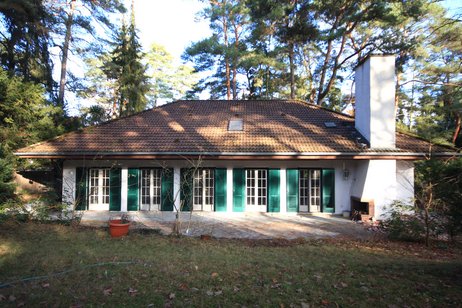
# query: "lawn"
x,y
56,265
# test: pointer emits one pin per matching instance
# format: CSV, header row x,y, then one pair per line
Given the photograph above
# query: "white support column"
x,y
283,190
69,193
124,190
176,188
229,190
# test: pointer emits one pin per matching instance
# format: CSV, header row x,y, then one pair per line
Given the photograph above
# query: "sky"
x,y
171,23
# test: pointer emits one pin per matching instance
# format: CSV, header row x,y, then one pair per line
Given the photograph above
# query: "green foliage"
x,y
169,81
25,41
127,71
446,178
25,117
403,223
7,187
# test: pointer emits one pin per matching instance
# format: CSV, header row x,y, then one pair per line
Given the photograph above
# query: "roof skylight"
x,y
235,125
330,124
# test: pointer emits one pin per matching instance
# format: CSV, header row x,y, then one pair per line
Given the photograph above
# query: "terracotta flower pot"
x,y
117,228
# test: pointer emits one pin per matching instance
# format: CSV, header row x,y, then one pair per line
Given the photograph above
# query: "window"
x,y
99,186
235,125
310,189
150,189
203,190
256,181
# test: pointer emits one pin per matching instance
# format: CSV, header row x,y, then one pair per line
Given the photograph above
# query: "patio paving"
x,y
240,225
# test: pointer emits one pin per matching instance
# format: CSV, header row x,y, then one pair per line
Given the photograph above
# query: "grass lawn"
x,y
66,266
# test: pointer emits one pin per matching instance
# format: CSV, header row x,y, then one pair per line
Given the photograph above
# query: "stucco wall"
x,y
342,185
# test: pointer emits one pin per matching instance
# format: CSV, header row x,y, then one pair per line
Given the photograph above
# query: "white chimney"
x,y
375,101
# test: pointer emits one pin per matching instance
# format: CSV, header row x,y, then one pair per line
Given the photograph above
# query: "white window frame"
x,y
310,188
99,189
154,189
256,189
203,189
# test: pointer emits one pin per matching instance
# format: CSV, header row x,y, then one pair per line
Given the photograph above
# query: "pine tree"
x,y
129,73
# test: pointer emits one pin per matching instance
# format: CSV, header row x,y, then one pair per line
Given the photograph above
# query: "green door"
x,y
220,189
328,190
166,194
238,190
292,190
114,189
81,193
274,183
133,190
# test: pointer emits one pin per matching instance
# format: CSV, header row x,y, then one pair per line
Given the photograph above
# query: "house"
x,y
246,156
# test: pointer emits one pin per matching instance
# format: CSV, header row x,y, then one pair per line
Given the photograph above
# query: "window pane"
x,y
250,187
145,186
94,187
304,187
105,185
156,181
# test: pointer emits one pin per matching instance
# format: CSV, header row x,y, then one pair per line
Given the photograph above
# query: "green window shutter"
x,y
186,188
81,189
133,189
115,186
292,190
167,190
328,190
274,183
238,190
220,190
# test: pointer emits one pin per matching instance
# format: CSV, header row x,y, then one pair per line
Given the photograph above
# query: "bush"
x,y
403,224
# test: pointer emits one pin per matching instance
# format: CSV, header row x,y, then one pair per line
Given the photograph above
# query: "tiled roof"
x,y
192,127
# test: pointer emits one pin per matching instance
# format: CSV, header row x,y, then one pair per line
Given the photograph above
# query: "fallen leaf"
x,y
209,293
11,298
305,305
20,304
236,289
171,296
132,291
46,285
2,297
214,275
183,287
325,302
218,293
108,291
194,289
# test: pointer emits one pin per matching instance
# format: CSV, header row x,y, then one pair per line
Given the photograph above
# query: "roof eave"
x,y
239,155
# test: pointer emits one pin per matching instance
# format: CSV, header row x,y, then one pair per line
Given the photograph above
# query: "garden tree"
x,y
94,115
288,24
25,117
224,49
127,71
434,179
439,80
74,30
25,41
169,81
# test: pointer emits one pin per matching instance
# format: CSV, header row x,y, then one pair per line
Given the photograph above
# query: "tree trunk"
x,y
457,129
236,46
227,70
292,71
65,51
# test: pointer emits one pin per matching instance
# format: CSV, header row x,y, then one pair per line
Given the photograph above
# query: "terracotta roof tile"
x,y
270,126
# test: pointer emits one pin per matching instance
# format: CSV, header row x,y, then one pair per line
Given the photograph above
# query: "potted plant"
x,y
119,226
